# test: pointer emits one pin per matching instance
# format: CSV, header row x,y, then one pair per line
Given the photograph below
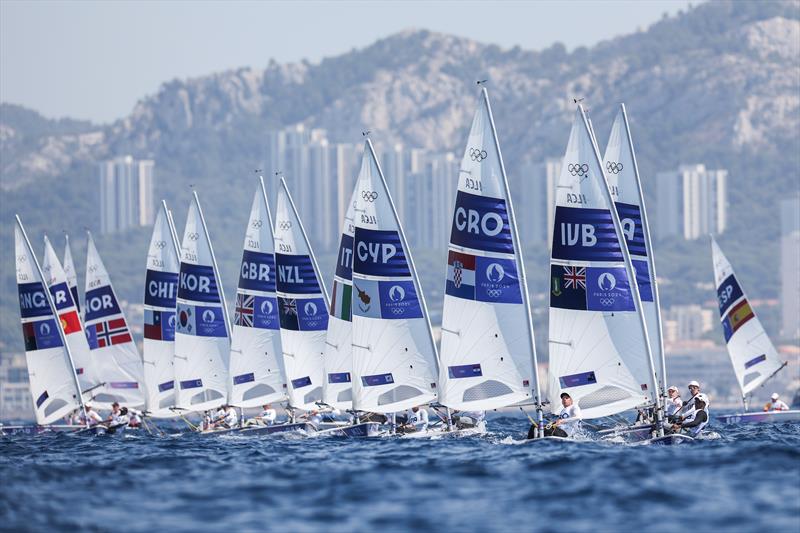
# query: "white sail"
x,y
394,355
53,386
160,293
116,359
752,354
488,349
622,174
256,371
338,387
302,306
598,343
82,356
72,274
202,346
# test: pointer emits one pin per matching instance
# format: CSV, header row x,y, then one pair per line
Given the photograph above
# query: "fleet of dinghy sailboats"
x,y
599,347
752,354
53,381
160,294
488,353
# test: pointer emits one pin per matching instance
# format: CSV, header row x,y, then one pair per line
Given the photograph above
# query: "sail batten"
x,y
488,355
257,375
395,362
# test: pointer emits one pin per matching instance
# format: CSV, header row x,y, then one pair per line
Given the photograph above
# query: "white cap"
x,y
703,398
775,396
693,383
673,388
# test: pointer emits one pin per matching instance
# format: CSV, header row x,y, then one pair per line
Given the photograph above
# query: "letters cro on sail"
x,y
487,352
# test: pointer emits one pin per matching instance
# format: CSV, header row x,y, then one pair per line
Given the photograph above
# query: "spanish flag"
x,y
737,316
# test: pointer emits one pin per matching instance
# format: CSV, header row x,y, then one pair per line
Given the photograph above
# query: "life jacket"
x,y
695,431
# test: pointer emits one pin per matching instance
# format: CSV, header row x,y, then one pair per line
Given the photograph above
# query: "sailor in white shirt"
x,y
114,418
314,417
268,415
418,418
674,403
226,418
569,419
90,415
776,404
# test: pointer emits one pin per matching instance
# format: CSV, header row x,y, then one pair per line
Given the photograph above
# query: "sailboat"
x,y
202,346
395,363
488,354
337,390
302,306
116,359
53,382
752,354
160,293
622,174
257,374
72,274
599,346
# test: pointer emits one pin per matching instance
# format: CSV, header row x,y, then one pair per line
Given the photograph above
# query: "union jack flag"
x,y
114,331
574,277
290,307
244,310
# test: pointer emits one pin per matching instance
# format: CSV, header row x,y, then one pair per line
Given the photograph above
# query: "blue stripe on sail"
x,y
464,371
33,300
631,221
481,223
62,296
377,379
576,380
160,288
344,261
100,303
296,274
341,377
643,280
197,283
244,378
257,271
585,235
167,385
379,253
299,383
191,384
728,292
756,360
41,399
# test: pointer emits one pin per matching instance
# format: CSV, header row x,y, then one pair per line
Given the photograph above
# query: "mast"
x,y
522,275
172,231
55,315
631,273
216,268
651,262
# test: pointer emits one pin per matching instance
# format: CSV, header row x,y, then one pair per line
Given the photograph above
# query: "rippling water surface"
x,y
746,479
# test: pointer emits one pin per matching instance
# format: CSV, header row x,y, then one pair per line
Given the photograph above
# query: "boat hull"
x,y
251,431
768,417
362,430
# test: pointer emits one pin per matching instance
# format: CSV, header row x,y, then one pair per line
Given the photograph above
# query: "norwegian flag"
x,y
574,277
112,332
244,310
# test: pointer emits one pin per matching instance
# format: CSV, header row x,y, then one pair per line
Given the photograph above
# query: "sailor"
x,y
697,419
268,415
205,423
314,417
569,419
90,415
674,403
776,404
687,407
122,417
417,419
226,418
469,419
134,420
114,418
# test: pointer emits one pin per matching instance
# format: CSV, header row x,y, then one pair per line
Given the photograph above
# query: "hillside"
x,y
718,84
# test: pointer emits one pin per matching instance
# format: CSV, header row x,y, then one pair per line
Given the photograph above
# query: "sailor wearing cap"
x,y
674,403
696,420
776,404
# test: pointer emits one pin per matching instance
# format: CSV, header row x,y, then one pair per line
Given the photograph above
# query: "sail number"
x,y
473,184
284,247
368,219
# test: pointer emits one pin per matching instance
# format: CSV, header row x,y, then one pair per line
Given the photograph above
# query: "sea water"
x,y
743,478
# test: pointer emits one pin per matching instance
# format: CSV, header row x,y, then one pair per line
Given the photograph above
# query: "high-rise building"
x,y
692,202
691,322
126,194
533,190
790,268
15,395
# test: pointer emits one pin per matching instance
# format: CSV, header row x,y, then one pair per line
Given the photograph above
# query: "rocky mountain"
x,y
718,84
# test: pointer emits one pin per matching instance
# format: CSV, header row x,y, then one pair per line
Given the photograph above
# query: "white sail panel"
x,y
50,371
623,180
302,306
72,274
160,293
598,347
82,357
116,359
394,356
753,355
257,375
338,388
202,345
487,343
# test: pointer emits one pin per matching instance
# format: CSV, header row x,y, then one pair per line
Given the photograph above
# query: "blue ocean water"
x,y
745,479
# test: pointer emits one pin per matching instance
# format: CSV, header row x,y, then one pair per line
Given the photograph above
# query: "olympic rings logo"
x,y
494,293
312,323
476,154
285,224
614,167
578,169
161,244
606,302
369,196
257,223
93,268
194,236
21,258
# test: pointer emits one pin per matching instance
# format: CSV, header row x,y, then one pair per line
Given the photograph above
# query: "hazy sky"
x,y
94,60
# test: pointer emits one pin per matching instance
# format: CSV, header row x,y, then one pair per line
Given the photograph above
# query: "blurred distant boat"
x,y
752,354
